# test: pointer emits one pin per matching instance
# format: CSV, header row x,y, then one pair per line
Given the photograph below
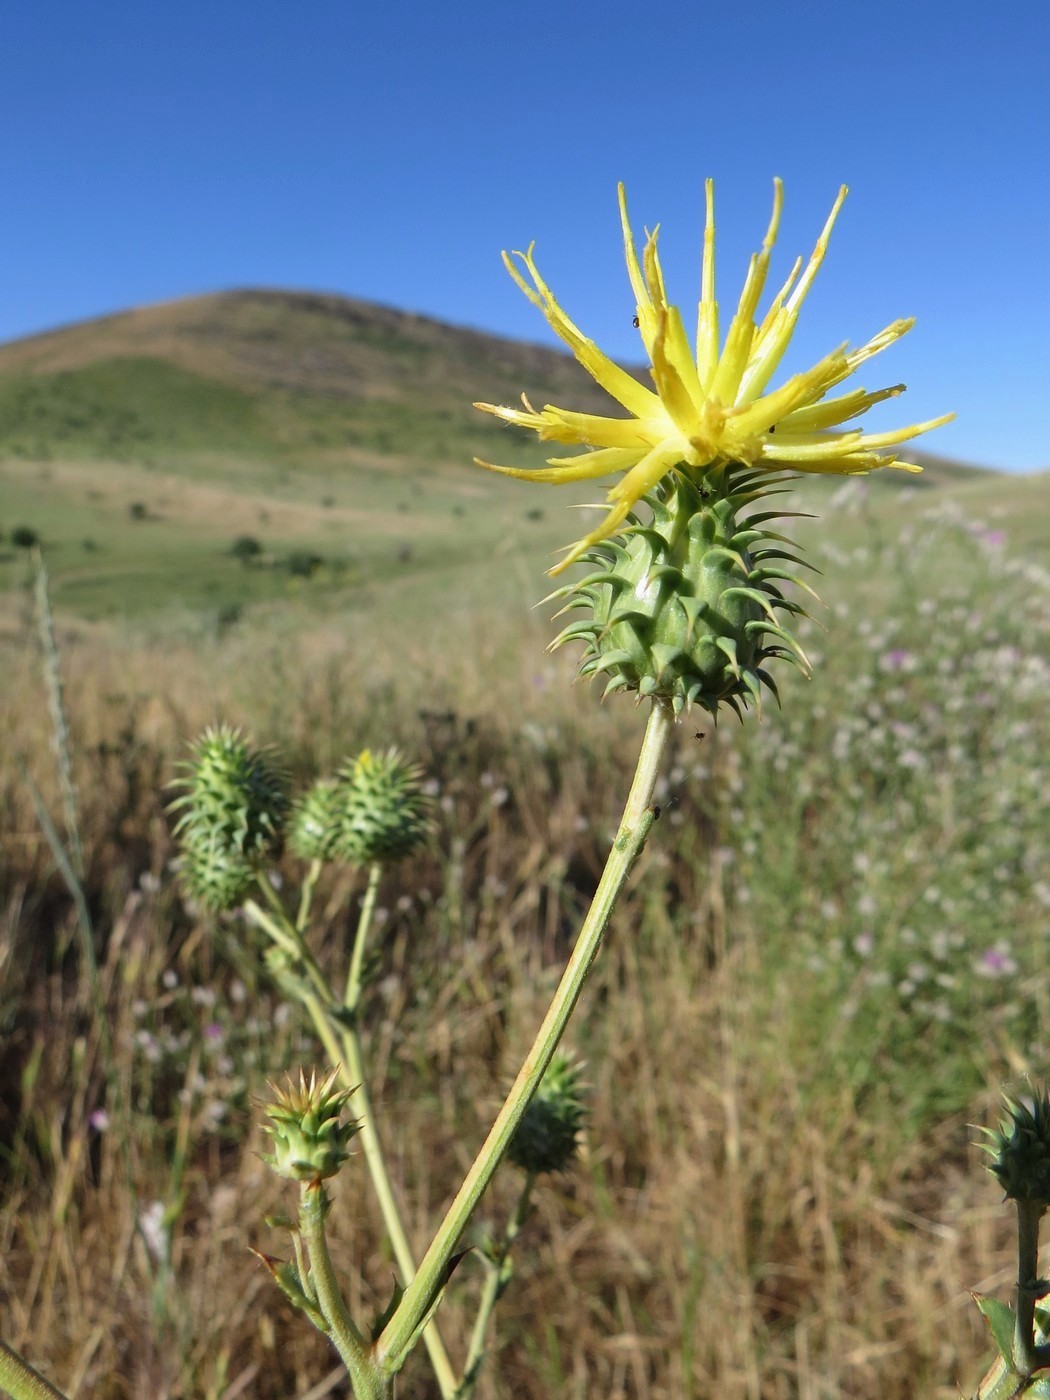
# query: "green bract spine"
x,y
688,606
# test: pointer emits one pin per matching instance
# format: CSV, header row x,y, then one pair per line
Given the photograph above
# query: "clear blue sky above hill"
x,y
389,151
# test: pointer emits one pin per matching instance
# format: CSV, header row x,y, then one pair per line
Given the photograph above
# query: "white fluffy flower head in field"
x,y
712,406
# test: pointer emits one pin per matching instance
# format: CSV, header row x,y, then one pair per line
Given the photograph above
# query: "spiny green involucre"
x,y
309,1136
232,807
688,606
1020,1150
547,1138
384,815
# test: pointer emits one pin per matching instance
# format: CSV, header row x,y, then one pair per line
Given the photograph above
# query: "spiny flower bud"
x,y
232,806
384,813
307,1129
547,1138
685,607
313,830
1020,1149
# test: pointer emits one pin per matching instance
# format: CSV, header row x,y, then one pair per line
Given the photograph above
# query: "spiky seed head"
x,y
313,828
307,1129
1020,1150
231,809
547,1138
384,815
688,605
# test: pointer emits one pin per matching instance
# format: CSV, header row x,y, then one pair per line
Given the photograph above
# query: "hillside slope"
x,y
272,372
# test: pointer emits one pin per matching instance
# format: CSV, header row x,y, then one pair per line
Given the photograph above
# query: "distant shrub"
x,y
303,564
228,616
24,537
138,510
327,502
245,547
534,513
89,546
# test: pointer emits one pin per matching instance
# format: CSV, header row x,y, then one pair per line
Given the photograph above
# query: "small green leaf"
x,y
1002,1321
388,1312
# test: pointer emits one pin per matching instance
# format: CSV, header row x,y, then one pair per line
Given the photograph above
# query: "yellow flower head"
x,y
710,408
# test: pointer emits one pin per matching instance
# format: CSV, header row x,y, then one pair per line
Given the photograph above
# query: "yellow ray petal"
x,y
800,293
807,387
680,406
707,316
645,474
565,425
561,470
614,380
869,441
832,411
643,302
741,334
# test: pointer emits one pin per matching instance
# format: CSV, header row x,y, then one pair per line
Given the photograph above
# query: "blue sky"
x,y
389,151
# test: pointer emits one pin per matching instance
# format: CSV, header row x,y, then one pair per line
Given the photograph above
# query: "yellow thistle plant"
x,y
711,407
688,598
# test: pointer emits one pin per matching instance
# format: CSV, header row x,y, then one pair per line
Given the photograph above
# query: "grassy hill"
x,y
335,436
289,376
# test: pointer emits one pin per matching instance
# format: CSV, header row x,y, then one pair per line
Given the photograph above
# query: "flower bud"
x,y
547,1138
306,1127
1020,1149
232,808
384,814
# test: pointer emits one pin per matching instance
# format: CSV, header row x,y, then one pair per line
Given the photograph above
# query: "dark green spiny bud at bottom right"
x,y
1020,1149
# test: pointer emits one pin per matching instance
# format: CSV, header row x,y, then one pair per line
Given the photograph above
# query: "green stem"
x,y
1028,1288
20,1381
364,923
366,1378
368,1136
634,828
499,1274
307,893
286,937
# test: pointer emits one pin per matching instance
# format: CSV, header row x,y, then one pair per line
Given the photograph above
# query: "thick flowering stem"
x,y
635,824
366,1378
20,1381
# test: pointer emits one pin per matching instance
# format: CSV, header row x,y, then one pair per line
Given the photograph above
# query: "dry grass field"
x,y
831,958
